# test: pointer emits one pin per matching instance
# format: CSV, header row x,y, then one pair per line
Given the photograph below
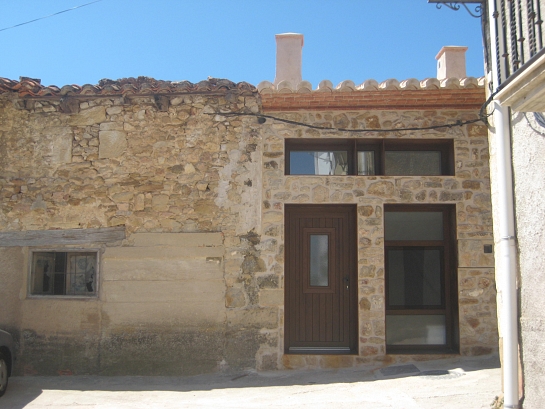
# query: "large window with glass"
x,y
421,298
367,157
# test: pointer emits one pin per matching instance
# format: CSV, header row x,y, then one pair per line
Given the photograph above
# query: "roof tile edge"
x,y
125,86
266,87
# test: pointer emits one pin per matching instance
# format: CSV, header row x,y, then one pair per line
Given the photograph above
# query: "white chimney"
x,y
451,62
289,51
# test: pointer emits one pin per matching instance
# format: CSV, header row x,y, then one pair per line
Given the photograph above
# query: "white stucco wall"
x,y
529,173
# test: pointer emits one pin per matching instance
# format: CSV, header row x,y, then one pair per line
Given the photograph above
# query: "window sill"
x,y
63,297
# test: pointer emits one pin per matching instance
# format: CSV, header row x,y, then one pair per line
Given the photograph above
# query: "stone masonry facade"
x,y
468,190
197,284
183,181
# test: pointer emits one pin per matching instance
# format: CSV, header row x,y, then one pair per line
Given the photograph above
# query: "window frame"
x,y
432,145
94,251
378,146
449,298
327,144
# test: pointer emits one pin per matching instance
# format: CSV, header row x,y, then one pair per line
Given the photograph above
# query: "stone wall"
x,y
468,190
179,295
198,283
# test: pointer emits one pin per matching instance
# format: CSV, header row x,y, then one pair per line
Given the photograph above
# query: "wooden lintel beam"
x,y
61,237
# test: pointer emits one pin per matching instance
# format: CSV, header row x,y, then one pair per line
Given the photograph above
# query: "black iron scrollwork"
x,y
455,5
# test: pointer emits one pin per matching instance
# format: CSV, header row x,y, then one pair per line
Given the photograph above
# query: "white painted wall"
x,y
529,173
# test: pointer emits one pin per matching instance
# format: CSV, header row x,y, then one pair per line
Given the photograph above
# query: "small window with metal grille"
x,y
64,273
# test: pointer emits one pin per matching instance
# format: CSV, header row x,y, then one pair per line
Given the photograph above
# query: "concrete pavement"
x,y
447,384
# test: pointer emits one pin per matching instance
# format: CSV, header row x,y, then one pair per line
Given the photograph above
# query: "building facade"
x,y
153,227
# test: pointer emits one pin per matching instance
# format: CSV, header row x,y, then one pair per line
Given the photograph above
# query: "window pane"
x,y
319,260
81,273
420,163
366,163
43,274
415,330
414,277
63,273
318,163
413,225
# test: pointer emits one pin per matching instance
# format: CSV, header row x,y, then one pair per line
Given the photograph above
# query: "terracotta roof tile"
x,y
285,87
141,85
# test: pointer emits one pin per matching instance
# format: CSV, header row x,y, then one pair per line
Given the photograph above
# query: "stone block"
x,y
205,207
61,144
160,202
271,297
123,197
111,126
112,144
272,217
320,194
89,116
234,298
471,253
381,189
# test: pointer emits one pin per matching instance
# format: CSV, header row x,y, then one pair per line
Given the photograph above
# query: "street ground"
x,y
446,384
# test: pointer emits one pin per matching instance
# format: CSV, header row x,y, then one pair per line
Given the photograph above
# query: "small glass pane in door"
x,y
319,260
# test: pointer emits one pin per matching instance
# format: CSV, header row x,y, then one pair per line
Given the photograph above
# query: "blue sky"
x,y
193,39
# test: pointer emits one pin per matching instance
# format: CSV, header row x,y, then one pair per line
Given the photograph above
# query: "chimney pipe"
x,y
289,51
451,62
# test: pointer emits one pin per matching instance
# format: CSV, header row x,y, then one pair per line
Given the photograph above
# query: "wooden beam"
x,y
61,237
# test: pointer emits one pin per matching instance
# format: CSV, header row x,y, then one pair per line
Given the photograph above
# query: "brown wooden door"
x,y
320,279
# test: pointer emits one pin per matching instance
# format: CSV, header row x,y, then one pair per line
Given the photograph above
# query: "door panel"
x,y
320,279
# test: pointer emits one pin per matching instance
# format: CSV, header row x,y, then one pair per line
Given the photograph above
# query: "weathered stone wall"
x,y
197,285
468,189
179,295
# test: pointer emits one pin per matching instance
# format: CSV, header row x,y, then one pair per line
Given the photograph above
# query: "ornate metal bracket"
x,y
455,5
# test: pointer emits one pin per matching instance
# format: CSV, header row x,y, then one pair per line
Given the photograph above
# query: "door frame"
x,y
292,211
449,306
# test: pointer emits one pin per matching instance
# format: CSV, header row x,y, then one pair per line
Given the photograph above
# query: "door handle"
x,y
346,281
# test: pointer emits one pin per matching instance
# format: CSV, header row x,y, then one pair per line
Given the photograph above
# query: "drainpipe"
x,y
506,250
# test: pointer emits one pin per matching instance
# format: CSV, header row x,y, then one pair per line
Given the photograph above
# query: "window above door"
x,y
369,157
